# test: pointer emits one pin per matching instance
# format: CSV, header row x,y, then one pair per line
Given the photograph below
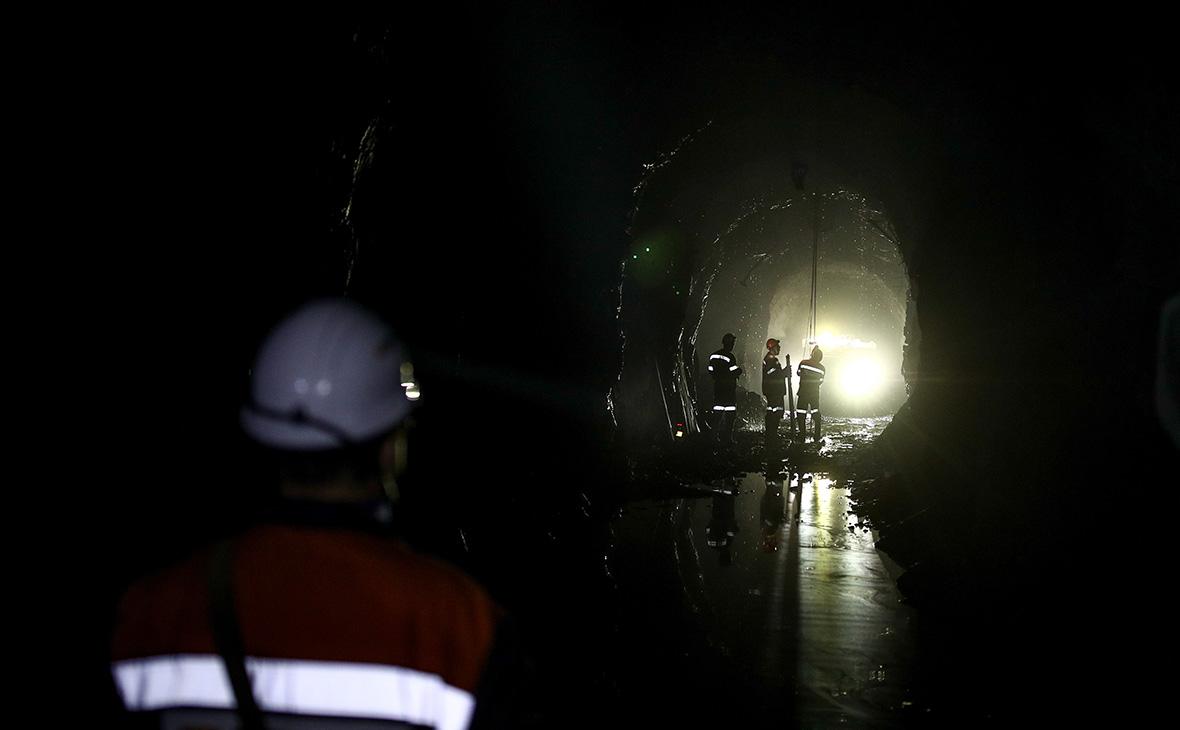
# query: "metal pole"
x,y
814,265
790,395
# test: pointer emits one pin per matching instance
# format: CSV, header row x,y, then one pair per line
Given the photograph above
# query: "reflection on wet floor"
x,y
852,628
785,601
846,434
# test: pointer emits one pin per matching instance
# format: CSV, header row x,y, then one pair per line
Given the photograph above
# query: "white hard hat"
x,y
326,377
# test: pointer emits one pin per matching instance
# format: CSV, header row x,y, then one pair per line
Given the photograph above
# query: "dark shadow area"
x,y
491,179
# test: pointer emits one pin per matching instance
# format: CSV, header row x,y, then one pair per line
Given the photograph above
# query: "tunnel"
x,y
699,269
563,210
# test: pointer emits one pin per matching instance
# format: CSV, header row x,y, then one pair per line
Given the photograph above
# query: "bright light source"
x,y
861,378
679,434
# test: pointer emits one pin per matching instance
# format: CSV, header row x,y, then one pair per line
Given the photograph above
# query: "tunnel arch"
x,y
725,194
766,266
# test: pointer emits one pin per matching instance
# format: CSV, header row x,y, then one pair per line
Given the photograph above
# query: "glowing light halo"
x,y
861,378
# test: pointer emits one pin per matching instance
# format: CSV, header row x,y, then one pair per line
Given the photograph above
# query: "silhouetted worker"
x,y
725,371
723,526
771,513
316,617
811,376
774,387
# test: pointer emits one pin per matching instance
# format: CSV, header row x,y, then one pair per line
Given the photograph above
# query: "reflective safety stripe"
x,y
730,408
733,367
299,687
710,368
814,370
719,408
776,408
726,358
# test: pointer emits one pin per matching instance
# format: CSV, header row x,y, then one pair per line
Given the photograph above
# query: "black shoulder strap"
x,y
227,636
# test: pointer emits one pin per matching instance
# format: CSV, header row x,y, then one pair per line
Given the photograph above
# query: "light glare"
x,y
861,378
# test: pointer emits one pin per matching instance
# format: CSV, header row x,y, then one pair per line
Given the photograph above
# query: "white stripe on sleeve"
x,y
296,686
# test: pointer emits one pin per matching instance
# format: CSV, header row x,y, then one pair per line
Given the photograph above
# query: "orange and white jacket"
x,y
336,623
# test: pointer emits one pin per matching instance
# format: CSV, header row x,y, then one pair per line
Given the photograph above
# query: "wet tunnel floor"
x,y
763,601
752,595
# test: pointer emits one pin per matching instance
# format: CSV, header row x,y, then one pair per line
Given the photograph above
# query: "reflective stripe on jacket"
x,y
811,374
723,365
335,623
774,378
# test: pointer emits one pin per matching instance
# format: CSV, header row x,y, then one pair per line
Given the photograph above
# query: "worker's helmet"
x,y
817,355
771,343
728,339
326,377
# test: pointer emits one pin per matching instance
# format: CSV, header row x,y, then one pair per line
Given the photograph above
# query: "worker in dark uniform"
x,y
811,376
771,512
317,616
774,387
723,525
725,371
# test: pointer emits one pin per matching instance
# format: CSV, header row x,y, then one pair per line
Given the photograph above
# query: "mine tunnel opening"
x,y
722,232
758,286
683,290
